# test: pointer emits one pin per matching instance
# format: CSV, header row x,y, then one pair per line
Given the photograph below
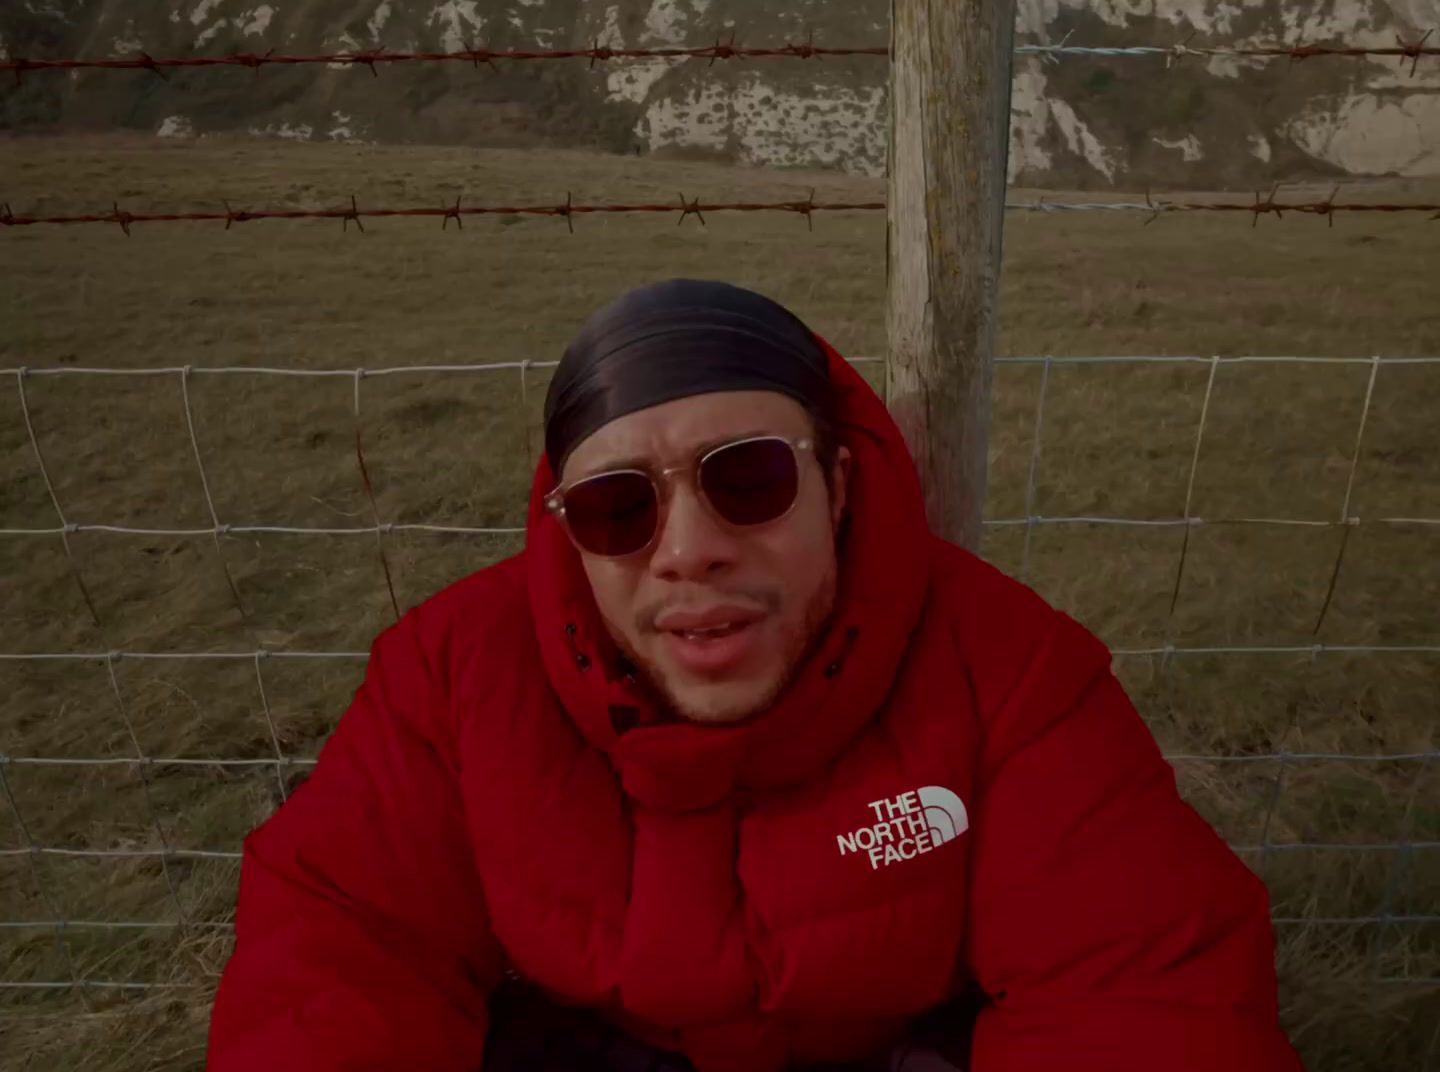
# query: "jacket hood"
x,y
883,572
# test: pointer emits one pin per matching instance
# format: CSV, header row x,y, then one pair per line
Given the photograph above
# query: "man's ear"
x,y
839,486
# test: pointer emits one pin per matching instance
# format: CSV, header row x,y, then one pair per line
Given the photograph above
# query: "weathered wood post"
x,y
949,141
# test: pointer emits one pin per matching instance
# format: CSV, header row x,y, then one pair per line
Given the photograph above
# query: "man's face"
x,y
716,616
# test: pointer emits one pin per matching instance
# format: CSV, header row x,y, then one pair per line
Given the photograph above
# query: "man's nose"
x,y
692,543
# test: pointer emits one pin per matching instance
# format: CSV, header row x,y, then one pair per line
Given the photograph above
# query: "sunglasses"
x,y
746,482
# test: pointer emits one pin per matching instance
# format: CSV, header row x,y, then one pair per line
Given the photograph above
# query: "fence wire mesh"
x,y
165,853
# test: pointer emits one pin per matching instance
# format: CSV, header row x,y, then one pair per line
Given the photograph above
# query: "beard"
x,y
731,701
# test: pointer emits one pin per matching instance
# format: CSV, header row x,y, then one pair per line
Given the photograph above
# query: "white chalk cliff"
x,y
1081,121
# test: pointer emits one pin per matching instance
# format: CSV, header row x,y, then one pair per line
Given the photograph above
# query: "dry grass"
x,y
455,448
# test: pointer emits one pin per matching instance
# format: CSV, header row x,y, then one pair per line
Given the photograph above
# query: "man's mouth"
x,y
718,620
712,632
713,641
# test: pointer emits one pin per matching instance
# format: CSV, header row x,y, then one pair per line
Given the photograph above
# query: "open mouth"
x,y
712,646
713,632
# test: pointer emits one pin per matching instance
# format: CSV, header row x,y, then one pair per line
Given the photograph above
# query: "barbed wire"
x,y
1151,207
374,58
1402,50
567,211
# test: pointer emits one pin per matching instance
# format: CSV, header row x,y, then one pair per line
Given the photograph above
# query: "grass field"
x,y
455,448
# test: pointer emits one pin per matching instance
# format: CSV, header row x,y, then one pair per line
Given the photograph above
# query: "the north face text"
x,y
907,825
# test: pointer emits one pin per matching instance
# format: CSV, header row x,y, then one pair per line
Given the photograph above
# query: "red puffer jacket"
x,y
954,794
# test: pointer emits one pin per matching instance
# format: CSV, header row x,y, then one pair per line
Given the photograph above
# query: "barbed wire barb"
x,y
1064,44
808,210
723,51
477,56
1179,51
233,217
1328,210
151,65
1268,205
1299,53
1156,210
353,214
255,62
688,208
453,214
1413,50
124,219
807,50
369,57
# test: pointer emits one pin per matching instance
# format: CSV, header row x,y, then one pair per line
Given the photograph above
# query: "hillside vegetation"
x,y
1335,839
1082,122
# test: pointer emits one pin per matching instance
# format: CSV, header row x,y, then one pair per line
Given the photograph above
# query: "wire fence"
x,y
283,766
184,373
149,765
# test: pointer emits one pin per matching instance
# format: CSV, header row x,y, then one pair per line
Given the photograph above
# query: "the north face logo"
x,y
908,825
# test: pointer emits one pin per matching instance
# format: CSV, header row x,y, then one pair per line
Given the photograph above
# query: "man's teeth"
x,y
710,633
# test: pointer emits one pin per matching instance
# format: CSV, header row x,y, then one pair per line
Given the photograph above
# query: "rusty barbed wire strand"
x,y
685,207
372,58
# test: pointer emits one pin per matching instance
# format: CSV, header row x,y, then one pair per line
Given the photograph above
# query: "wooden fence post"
x,y
949,142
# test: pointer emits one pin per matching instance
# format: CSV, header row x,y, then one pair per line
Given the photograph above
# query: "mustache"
x,y
764,599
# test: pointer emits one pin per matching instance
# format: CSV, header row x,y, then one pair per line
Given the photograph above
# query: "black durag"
x,y
675,339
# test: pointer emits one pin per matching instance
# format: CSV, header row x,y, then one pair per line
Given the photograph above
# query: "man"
x,y
740,760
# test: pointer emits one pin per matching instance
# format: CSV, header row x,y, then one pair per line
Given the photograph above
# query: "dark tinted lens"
x,y
612,514
750,482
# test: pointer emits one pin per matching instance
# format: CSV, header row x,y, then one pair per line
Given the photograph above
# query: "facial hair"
x,y
798,647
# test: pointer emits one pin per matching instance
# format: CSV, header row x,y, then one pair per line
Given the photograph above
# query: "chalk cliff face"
x,y
1199,122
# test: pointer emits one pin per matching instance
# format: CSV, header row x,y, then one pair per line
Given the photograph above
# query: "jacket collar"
x,y
883,576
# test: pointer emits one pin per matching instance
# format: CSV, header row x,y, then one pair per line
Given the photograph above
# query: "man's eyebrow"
x,y
610,465
635,461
